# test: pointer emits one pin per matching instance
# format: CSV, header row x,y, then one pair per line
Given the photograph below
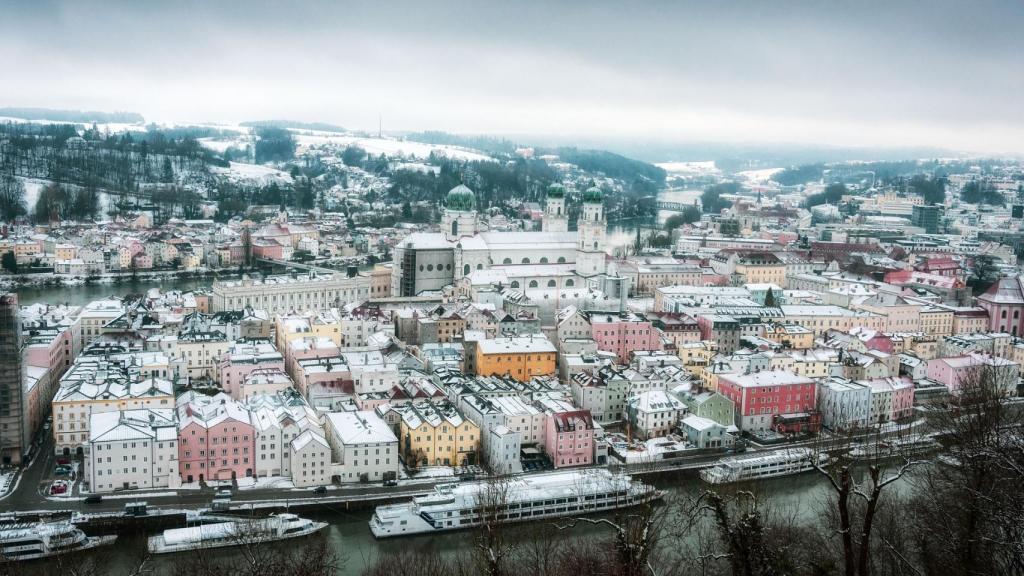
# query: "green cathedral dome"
x,y
460,198
593,195
556,190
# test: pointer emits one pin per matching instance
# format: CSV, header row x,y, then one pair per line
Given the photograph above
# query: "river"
x,y
800,497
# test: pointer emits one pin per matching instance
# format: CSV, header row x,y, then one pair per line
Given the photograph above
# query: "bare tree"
x,y
969,510
856,499
492,547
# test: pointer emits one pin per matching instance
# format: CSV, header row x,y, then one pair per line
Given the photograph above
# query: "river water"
x,y
801,497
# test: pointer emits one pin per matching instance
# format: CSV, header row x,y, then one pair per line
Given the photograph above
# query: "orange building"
x,y
521,357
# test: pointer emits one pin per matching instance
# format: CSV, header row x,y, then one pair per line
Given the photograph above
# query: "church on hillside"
x,y
551,260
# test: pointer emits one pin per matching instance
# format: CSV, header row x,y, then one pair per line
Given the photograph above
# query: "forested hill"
x,y
86,117
611,164
118,163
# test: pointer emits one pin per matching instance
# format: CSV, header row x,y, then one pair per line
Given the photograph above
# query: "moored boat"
x,y
46,539
762,465
895,448
519,499
234,533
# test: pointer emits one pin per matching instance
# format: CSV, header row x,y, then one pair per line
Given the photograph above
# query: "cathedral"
x,y
552,259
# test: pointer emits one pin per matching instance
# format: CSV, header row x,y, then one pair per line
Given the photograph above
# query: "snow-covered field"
x,y
253,172
690,168
387,146
759,176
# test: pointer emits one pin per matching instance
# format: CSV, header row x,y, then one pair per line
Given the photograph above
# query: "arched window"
x,y
515,284
544,260
551,284
526,260
465,270
533,283
430,267
479,266
506,261
561,259
455,227
595,245
569,283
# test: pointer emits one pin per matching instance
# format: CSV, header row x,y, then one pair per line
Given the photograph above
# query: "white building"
x,y
502,451
844,404
654,413
131,449
284,294
311,460
364,446
279,420
553,257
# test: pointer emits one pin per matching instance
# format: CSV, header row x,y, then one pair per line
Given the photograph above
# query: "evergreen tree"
x,y
9,262
12,198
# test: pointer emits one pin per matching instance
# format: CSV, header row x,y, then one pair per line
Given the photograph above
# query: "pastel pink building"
x,y
1004,302
568,434
891,398
953,372
621,334
216,439
244,357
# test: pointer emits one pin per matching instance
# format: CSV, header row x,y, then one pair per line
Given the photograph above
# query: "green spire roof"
x,y
556,190
460,198
593,195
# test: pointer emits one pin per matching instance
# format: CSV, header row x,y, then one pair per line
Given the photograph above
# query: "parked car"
x,y
93,499
63,470
223,493
58,489
64,461
320,490
391,482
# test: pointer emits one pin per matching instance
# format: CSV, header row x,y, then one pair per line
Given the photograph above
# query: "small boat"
x,y
234,533
762,465
46,539
521,499
895,448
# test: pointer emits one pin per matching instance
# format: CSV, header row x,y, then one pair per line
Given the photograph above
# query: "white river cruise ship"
x,y
516,499
46,539
236,533
762,465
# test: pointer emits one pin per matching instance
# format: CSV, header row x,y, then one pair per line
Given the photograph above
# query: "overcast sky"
x,y
856,73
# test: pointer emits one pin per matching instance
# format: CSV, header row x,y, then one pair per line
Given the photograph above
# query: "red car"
x,y
58,489
63,462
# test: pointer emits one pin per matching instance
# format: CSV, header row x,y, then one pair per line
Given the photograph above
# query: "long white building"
x,y
284,294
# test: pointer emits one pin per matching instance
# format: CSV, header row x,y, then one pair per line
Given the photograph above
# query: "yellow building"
x,y
936,321
790,335
434,433
520,357
695,356
757,267
66,252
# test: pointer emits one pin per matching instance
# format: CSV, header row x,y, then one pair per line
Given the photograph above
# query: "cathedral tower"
x,y
459,219
590,254
554,210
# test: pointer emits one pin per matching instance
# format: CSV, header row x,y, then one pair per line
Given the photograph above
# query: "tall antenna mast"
x,y
380,125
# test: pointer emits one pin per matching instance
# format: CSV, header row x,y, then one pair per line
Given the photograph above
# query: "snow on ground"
x,y
265,482
429,473
759,176
387,146
254,172
690,168
6,481
32,188
111,127
219,145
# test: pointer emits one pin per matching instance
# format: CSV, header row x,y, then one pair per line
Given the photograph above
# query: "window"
x,y
533,283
